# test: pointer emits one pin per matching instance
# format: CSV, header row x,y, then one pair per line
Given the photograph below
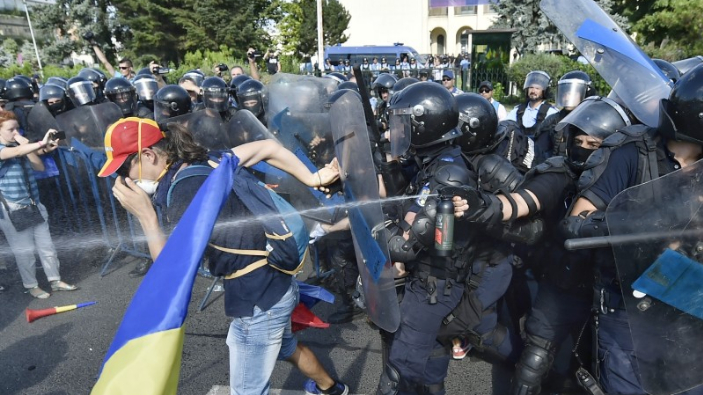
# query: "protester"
x,y
262,300
18,191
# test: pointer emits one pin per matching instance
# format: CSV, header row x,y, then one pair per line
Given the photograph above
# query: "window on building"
x,y
440,44
488,9
438,11
464,41
466,10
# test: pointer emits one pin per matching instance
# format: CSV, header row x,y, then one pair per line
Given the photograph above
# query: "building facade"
x,y
440,30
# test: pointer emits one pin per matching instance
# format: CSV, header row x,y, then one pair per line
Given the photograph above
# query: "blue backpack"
x,y
286,233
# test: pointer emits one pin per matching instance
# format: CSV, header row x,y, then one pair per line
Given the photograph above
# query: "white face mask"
x,y
148,186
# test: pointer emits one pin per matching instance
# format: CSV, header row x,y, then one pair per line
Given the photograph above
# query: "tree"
x,y
299,25
672,28
532,27
71,19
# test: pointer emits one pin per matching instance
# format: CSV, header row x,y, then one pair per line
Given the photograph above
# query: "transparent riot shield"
x,y
39,121
297,93
365,215
244,127
88,124
622,64
662,260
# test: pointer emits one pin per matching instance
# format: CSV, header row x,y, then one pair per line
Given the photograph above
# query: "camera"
x,y
254,54
88,36
59,135
161,70
222,67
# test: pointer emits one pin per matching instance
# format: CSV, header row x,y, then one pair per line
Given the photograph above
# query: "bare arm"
x,y
103,59
278,156
581,205
253,69
31,150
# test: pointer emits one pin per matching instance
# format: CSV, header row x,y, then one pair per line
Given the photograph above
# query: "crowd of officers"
x,y
519,186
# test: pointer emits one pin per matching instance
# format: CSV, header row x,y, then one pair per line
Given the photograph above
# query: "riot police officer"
x,y
54,98
680,144
98,79
146,87
383,87
251,96
121,92
530,114
572,88
417,361
215,93
170,101
80,91
18,92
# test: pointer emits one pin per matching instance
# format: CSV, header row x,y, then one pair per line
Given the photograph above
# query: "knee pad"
x,y
534,365
389,382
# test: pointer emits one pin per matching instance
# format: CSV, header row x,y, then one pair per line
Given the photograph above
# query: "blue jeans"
x,y
255,343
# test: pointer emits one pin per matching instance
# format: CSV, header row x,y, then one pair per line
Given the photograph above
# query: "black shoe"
x,y
141,268
346,313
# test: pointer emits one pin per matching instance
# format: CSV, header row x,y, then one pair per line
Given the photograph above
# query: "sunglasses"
x,y
124,68
484,90
446,79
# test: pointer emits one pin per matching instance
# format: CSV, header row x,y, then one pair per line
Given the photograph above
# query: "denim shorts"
x,y
256,342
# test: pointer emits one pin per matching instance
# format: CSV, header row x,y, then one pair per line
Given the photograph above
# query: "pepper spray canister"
x,y
444,227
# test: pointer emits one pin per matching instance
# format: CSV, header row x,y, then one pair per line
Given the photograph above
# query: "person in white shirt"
x,y
530,114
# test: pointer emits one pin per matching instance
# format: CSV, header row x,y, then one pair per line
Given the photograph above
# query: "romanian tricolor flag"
x,y
145,355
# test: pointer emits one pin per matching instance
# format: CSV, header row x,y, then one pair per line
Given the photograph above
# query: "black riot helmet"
x,y
339,77
60,81
17,89
171,101
669,70
196,76
572,88
597,117
146,87
349,85
2,88
80,91
539,79
97,78
685,65
215,94
422,115
53,92
251,95
478,122
403,83
234,85
681,115
384,81
32,84
121,92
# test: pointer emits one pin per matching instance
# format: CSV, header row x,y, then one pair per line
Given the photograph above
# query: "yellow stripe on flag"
x,y
149,365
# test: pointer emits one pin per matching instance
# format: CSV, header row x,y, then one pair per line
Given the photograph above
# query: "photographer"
x,y
158,72
125,65
272,64
252,55
23,219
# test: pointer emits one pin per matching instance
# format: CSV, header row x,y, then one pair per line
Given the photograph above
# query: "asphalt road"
x,y
62,354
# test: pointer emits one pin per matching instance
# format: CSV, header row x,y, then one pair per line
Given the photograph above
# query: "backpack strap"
x,y
520,112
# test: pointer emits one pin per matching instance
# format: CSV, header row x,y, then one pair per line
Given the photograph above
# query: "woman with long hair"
x,y
18,189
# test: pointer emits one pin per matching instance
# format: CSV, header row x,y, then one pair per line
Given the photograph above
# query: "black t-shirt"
x,y
272,65
263,287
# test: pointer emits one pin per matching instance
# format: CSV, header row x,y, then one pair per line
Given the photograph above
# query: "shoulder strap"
x,y
542,113
190,171
520,112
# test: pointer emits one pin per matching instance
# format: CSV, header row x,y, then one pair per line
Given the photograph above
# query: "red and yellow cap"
x,y
126,137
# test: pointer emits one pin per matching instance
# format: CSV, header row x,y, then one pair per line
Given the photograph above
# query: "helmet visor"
x,y
81,93
570,93
216,99
400,127
538,79
146,89
596,116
